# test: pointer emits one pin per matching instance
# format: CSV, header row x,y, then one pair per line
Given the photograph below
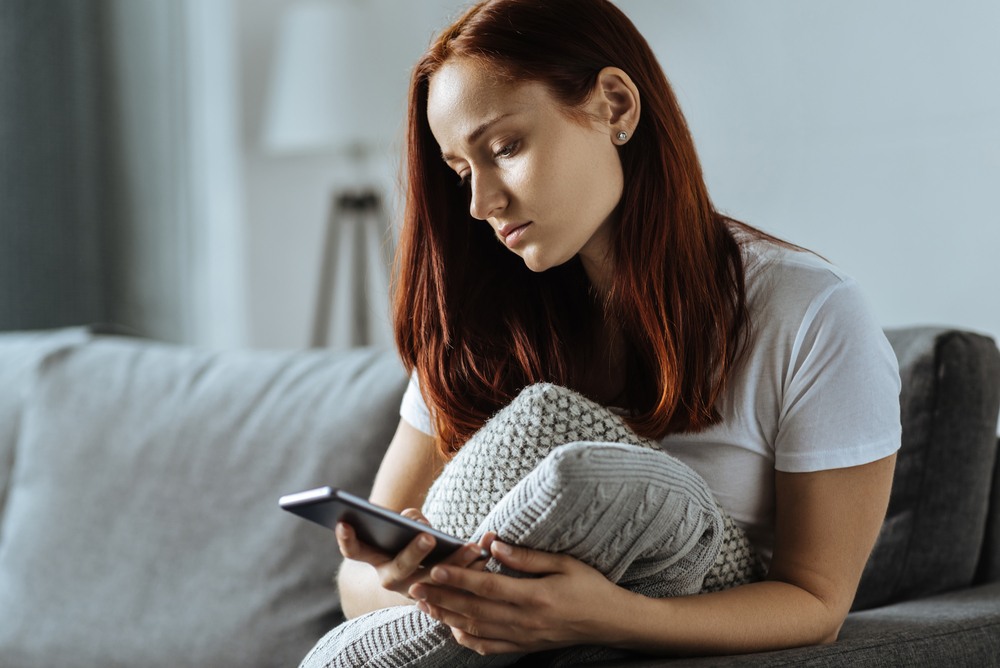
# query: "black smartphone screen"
x,y
377,526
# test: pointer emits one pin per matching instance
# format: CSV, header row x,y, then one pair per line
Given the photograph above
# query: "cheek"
x,y
592,176
607,179
522,178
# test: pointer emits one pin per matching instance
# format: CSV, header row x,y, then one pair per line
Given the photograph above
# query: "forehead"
x,y
463,96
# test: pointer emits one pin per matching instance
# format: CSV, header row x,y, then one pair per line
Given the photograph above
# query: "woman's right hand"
x,y
400,572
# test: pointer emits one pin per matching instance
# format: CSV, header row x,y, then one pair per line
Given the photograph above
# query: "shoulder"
x,y
787,279
817,334
792,291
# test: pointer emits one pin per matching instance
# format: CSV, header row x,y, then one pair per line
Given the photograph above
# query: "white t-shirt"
x,y
818,389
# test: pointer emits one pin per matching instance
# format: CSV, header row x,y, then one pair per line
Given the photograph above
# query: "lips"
x,y
511,233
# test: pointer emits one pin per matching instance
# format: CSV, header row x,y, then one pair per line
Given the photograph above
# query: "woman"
x,y
550,128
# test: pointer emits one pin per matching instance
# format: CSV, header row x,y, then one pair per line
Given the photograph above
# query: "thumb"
x,y
527,560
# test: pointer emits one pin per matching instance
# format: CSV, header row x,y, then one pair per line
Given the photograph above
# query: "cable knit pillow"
x,y
543,417
642,518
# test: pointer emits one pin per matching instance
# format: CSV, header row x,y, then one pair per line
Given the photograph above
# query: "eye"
x,y
463,179
506,151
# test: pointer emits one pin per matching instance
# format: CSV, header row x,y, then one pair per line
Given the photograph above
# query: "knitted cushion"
x,y
541,418
639,516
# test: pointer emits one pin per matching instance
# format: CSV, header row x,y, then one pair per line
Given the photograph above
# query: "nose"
x,y
488,197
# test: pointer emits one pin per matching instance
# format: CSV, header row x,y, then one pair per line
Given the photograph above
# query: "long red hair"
x,y
678,290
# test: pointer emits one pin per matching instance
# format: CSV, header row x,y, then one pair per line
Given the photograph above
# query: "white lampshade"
x,y
317,100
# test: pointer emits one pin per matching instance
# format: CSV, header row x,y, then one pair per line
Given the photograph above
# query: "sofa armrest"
x,y
20,354
948,408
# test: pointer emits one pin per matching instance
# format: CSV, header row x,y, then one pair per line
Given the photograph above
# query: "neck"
x,y
599,266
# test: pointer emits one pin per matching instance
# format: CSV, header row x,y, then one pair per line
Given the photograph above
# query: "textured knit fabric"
x,y
516,439
640,517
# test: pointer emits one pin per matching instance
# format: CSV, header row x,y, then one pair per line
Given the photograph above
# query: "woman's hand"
x,y
400,572
494,614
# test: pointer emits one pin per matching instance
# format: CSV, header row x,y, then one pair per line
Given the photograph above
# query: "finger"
x,y
485,619
483,584
527,560
416,515
352,548
484,646
396,574
487,540
465,556
484,546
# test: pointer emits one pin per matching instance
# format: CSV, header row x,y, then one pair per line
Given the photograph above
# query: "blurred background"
x,y
223,172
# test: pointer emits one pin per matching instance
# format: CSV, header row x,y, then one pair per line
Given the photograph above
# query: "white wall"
x,y
866,131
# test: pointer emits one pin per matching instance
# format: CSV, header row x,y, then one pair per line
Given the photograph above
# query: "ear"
x,y
616,101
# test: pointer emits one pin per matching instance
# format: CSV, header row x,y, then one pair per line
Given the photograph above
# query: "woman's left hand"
x,y
495,614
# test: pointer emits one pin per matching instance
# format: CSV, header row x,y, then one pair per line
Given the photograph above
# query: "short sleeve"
x,y
840,392
413,409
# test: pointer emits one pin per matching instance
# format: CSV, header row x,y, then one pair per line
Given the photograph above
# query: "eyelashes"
x,y
504,152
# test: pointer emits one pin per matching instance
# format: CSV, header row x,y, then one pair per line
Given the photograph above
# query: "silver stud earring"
x,y
622,136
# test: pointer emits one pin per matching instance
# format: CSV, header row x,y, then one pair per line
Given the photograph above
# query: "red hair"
x,y
678,288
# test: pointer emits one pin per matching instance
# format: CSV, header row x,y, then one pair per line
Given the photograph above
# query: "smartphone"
x,y
377,526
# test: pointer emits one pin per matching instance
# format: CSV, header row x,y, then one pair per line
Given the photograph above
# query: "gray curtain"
x,y
56,267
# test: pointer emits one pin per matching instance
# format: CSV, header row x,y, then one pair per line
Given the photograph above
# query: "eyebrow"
x,y
476,134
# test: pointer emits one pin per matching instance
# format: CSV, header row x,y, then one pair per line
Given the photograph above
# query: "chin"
x,y
538,260
534,261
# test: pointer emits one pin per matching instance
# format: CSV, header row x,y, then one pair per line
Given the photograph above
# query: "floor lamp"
x,y
360,218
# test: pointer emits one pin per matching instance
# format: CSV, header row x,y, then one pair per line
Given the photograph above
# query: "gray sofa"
x,y
139,523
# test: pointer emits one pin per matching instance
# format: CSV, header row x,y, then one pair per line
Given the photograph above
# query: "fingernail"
x,y
426,541
418,592
502,548
472,552
439,574
422,607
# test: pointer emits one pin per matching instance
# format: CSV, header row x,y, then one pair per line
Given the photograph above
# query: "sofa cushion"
x,y
956,629
20,353
142,525
933,532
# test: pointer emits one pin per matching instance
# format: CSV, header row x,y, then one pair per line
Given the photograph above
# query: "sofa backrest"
x,y
141,524
934,531
989,560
